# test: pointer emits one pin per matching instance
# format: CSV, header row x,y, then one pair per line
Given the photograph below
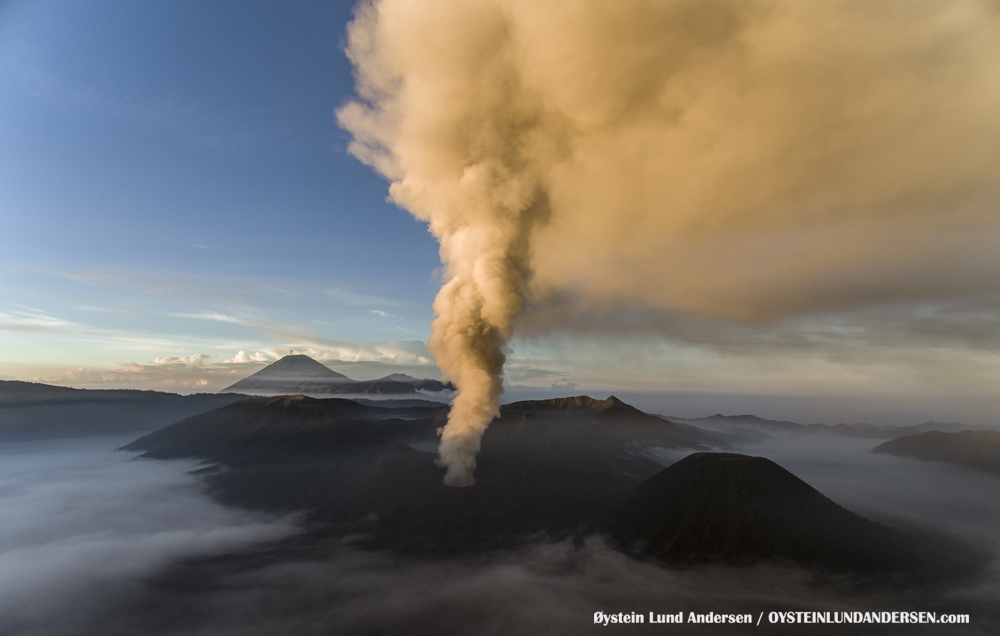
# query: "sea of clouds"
x,y
95,541
83,526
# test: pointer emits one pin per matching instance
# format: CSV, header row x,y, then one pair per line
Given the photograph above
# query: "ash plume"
x,y
745,161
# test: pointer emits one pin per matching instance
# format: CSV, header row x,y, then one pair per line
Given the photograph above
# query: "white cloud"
x,y
216,316
31,320
202,372
242,357
361,300
384,314
401,352
194,360
172,373
564,385
234,290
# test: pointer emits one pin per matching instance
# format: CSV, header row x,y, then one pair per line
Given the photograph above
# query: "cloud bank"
x,y
91,543
554,588
82,527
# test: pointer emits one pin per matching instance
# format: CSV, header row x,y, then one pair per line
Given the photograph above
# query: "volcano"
x,y
737,509
545,466
291,375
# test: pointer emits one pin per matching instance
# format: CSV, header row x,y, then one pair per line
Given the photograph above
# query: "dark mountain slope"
x,y
574,406
385,386
611,421
973,449
266,428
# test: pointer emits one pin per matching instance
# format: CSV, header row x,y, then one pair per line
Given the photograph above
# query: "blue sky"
x,y
172,183
178,208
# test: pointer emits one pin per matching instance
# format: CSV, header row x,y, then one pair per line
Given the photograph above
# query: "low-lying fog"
x,y
893,490
885,488
93,543
81,525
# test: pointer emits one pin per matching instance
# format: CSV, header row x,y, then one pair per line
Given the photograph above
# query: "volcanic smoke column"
x,y
483,294
449,125
475,310
477,305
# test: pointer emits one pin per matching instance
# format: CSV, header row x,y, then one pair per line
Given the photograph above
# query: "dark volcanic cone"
x,y
723,507
559,424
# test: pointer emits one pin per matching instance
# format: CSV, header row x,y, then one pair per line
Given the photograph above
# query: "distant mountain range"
x,y
753,427
301,375
29,410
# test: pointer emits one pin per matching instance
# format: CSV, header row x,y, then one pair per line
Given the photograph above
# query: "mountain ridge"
x,y
972,449
32,411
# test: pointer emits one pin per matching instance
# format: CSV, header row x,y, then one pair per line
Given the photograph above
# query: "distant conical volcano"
x,y
300,374
290,375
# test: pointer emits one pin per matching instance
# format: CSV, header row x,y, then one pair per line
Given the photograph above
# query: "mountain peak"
x,y
572,406
298,366
739,509
399,377
292,374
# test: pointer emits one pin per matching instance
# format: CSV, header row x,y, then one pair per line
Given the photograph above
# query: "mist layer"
x,y
82,528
